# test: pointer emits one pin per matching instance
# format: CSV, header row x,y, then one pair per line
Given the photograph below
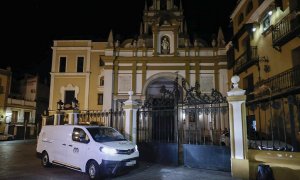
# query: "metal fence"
x,y
274,125
115,119
204,124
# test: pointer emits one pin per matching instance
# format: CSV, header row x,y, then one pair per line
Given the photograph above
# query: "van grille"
x,y
128,151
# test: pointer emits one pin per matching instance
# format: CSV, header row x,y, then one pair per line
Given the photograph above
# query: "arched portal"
x,y
154,83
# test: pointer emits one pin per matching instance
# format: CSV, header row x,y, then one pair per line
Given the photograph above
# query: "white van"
x,y
95,150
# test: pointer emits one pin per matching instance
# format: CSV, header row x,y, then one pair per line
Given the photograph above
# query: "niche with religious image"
x,y
165,45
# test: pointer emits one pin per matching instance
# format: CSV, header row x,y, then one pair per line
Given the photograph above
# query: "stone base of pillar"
x,y
240,168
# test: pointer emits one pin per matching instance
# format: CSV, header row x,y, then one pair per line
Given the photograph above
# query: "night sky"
x,y
29,27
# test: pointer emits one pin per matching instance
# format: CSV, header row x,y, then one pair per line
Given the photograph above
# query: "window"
x,y
14,116
266,22
69,96
100,99
249,7
80,62
163,5
241,18
62,64
102,81
101,62
26,116
79,135
248,84
1,87
260,1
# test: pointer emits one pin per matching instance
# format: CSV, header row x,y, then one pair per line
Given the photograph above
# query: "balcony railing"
x,y
286,29
246,60
12,101
285,82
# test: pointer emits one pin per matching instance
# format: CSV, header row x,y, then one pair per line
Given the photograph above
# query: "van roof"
x,y
78,125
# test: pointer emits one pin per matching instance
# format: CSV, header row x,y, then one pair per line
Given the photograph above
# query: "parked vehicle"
x,y
6,137
259,140
96,150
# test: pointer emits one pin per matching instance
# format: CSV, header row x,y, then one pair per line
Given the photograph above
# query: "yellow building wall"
x,y
5,84
285,165
95,89
2,95
73,43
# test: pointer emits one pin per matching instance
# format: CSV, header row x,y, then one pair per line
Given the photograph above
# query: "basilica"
x,y
100,74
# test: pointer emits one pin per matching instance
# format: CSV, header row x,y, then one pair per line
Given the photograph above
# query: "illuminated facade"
x,y
5,76
265,54
22,101
100,74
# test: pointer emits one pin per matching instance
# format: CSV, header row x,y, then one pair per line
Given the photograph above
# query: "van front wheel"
x,y
93,170
45,160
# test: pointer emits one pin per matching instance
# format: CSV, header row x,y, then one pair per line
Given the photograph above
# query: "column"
x,y
238,131
130,128
72,116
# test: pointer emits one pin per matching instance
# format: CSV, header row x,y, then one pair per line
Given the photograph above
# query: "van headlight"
x,y
107,150
136,148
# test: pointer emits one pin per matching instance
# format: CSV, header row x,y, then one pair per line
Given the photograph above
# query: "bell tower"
x,y
164,22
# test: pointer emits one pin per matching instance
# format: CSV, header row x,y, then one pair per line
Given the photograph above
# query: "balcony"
x,y
20,102
285,30
287,82
246,60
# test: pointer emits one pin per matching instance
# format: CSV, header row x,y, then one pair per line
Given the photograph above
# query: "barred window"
x,y
100,99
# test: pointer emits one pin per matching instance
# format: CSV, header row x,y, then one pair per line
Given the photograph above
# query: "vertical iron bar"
x,y
260,128
266,127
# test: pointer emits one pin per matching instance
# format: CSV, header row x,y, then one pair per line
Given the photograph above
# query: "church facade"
x,y
100,74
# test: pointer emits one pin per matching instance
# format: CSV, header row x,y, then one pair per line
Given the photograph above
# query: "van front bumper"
x,y
115,167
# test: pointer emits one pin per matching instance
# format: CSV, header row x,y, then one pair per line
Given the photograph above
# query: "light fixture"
x,y
253,29
270,13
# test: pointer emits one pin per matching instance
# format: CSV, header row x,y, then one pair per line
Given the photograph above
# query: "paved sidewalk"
x,y
149,171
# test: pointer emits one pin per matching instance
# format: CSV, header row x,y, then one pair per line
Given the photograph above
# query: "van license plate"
x,y
131,163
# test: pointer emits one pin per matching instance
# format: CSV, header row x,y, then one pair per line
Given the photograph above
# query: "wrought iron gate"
x,y
185,126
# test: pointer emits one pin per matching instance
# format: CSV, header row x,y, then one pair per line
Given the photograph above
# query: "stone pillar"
x,y
44,120
57,118
72,116
130,128
238,131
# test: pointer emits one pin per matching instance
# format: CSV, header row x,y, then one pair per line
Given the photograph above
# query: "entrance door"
x,y
188,130
157,124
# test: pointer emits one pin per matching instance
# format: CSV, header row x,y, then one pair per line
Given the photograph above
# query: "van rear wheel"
x,y
93,170
45,160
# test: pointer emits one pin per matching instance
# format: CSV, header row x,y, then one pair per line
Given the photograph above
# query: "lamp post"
x,y
59,105
75,103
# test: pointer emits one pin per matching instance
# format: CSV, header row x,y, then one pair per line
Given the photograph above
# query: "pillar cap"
x,y
236,91
130,101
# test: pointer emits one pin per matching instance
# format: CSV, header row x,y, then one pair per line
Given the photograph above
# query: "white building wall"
x,y
138,84
223,81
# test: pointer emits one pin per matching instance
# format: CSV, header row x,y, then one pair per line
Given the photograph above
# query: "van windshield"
x,y
105,134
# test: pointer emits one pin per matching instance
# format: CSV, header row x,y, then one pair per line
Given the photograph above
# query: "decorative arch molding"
x,y
69,87
167,75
